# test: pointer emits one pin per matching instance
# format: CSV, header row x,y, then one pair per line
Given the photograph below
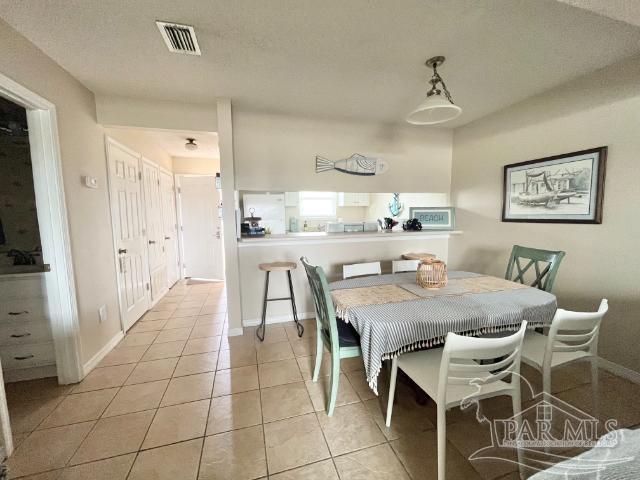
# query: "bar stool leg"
x,y
299,326
262,327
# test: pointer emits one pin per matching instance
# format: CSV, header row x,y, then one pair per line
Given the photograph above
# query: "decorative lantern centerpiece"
x,y
431,273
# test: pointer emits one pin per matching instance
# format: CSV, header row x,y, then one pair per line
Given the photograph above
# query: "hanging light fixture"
x,y
436,108
191,144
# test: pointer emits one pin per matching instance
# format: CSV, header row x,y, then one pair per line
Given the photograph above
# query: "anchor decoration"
x,y
396,207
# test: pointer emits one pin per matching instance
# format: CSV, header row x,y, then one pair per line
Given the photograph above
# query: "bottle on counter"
x,y
293,224
305,227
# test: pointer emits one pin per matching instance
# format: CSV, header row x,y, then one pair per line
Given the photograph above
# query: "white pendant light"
x,y
438,107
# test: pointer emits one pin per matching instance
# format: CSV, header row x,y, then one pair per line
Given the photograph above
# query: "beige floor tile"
x,y
235,380
292,331
50,475
319,392
210,330
308,364
272,352
294,442
375,463
177,423
195,296
123,355
235,455
180,322
351,364
285,401
214,308
201,345
188,389
164,306
35,389
148,326
186,312
173,335
199,363
190,304
172,462
232,412
116,468
408,416
136,339
237,357
279,373
323,470
350,428
156,315
274,334
152,371
80,407
105,377
304,347
136,398
210,318
47,449
239,341
359,383
164,350
114,436
27,415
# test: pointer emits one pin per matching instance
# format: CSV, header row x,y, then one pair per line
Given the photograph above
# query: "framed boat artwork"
x,y
567,188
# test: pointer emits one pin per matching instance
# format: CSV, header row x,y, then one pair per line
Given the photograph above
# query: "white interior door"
x,y
170,226
201,229
125,192
155,229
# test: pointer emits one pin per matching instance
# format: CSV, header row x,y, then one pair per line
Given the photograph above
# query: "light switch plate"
x,y
90,182
102,313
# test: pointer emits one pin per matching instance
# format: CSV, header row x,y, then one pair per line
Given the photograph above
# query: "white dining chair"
x,y
467,368
360,269
572,336
398,266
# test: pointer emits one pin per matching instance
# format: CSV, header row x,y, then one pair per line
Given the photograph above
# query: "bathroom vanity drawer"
x,y
25,356
22,309
22,287
21,333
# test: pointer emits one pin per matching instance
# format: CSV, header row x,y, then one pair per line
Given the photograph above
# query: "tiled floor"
x,y
179,400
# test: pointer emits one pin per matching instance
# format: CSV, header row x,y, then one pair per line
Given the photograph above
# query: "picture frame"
x,y
566,188
435,218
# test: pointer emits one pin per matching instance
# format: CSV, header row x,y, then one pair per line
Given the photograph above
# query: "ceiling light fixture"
x,y
436,108
191,144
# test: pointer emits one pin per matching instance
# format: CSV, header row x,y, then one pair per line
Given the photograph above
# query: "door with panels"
x,y
125,193
154,230
170,226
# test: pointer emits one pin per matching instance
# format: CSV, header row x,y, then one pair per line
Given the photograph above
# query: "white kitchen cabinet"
x,y
351,199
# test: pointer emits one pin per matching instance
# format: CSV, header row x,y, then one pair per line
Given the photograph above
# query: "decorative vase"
x,y
431,274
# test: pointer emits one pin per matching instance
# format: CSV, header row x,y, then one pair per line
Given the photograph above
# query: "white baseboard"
x,y
619,370
234,332
32,373
95,360
253,322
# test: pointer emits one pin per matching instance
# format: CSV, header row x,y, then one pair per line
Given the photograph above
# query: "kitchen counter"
x,y
310,238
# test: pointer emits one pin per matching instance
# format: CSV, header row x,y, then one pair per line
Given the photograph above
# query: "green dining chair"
x,y
545,263
340,338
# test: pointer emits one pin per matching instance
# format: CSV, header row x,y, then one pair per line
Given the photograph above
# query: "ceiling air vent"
x,y
179,38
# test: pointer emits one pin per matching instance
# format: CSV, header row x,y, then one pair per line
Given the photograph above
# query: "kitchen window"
x,y
318,204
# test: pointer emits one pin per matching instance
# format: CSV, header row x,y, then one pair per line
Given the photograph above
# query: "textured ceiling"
x,y
351,59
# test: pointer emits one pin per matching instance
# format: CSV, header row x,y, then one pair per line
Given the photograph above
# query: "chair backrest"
x,y
322,301
574,332
404,266
545,262
487,360
358,269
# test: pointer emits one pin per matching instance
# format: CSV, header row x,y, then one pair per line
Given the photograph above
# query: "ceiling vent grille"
x,y
179,38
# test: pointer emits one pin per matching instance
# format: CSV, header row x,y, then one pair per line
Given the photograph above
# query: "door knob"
x,y
122,250
152,242
167,238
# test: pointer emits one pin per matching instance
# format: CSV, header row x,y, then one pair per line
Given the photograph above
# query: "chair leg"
x,y
595,389
262,327
546,383
299,326
335,382
516,402
392,389
319,352
442,441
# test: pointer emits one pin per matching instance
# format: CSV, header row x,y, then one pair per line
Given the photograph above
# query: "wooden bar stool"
x,y
277,267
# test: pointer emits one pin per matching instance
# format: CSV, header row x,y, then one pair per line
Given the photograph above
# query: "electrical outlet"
x,y
102,313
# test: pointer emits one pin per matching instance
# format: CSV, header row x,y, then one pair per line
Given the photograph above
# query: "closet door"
x,y
154,230
169,226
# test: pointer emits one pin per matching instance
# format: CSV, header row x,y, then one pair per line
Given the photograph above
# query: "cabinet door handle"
x,y
20,335
25,357
19,313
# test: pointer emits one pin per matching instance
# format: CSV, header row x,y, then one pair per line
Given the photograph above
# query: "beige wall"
x,y
196,166
82,149
138,141
602,260
275,152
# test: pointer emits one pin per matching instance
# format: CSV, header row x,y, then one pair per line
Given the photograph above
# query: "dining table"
x,y
394,315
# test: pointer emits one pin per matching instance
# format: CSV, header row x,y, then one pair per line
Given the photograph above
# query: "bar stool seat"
x,y
277,267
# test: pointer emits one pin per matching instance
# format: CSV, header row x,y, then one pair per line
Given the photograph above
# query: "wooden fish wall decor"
x,y
356,164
